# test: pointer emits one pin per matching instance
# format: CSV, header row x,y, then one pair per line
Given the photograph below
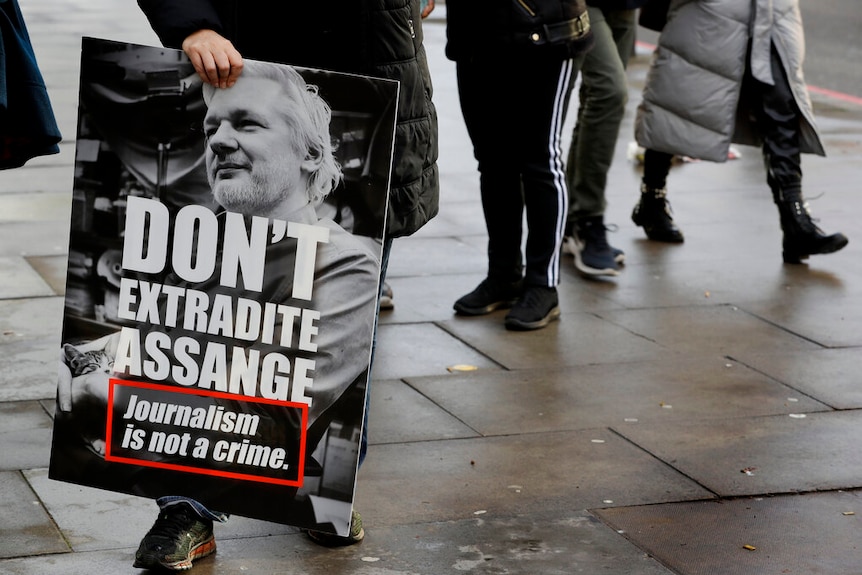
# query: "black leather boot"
x,y
779,117
802,237
654,215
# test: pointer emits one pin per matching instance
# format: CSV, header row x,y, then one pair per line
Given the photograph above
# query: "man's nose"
x,y
222,139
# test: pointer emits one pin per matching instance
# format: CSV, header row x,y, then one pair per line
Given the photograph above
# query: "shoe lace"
x,y
534,298
807,221
654,192
596,235
172,523
658,198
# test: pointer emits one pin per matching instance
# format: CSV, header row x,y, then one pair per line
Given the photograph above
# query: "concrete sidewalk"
x,y
700,414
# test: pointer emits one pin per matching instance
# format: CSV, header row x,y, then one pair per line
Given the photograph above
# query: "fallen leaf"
x,y
461,367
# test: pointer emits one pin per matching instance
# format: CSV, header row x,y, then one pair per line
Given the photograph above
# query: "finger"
x,y
64,388
211,68
236,65
223,69
235,68
199,67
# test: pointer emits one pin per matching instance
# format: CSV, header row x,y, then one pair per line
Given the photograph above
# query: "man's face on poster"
x,y
253,156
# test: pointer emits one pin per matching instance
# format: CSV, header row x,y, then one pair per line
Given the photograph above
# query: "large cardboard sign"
x,y
221,295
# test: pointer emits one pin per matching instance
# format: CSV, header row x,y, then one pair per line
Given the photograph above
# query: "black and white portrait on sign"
x,y
222,284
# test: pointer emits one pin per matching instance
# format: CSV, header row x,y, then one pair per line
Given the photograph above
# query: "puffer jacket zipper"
x,y
527,8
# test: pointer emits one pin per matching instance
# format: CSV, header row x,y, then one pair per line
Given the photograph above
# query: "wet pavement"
x,y
699,414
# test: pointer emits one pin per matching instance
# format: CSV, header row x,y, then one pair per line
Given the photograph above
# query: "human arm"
x,y
427,7
196,27
214,57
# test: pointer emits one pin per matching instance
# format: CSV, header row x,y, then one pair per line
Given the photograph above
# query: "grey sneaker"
x,y
178,537
356,534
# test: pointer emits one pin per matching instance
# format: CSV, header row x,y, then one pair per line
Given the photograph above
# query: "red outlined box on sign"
x,y
203,470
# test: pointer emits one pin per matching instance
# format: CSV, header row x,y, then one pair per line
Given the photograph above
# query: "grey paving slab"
x,y
30,319
52,269
577,339
29,207
95,519
757,455
722,330
832,376
399,413
28,370
423,299
29,344
834,324
52,181
25,435
424,256
815,533
671,275
458,217
430,298
662,276
583,397
553,544
399,354
500,476
26,528
18,280
33,238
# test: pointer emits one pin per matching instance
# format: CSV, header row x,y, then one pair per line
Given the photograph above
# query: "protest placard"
x,y
222,285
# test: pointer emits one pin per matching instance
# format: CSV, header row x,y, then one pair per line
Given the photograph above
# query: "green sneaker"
x,y
178,537
356,534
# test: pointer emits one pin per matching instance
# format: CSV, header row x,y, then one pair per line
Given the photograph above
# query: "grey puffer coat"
x,y
691,101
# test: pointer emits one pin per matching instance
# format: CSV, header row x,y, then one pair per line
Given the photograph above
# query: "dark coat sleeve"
x,y
173,21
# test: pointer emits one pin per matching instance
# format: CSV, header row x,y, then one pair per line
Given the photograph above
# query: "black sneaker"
x,y
178,537
589,245
354,536
536,308
489,295
654,215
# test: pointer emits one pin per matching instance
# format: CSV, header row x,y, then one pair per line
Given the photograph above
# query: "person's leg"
x,y
603,98
652,212
543,92
481,84
779,117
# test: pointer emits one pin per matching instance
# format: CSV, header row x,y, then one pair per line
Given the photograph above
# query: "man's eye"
x,y
250,125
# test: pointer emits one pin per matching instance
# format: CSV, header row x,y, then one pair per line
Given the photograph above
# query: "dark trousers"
x,y
778,120
519,157
602,104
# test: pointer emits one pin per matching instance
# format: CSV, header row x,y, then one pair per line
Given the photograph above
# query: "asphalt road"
x,y
833,38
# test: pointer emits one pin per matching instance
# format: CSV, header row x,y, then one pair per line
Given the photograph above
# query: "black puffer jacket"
x,y
559,28
381,38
